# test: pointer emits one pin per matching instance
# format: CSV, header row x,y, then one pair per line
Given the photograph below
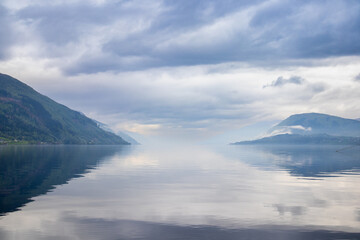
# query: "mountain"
x,y
27,116
312,128
316,123
127,138
305,139
123,135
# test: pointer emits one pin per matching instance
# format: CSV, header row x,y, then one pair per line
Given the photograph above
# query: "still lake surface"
x,y
179,192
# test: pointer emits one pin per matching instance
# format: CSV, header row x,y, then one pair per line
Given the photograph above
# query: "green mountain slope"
x,y
30,117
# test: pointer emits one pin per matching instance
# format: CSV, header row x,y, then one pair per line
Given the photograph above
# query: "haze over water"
x,y
179,192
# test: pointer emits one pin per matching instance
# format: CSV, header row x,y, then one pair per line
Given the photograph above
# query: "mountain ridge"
x,y
121,134
27,116
317,123
304,139
312,128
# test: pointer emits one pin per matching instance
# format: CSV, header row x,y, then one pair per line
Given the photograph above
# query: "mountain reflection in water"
x,y
28,171
179,192
307,160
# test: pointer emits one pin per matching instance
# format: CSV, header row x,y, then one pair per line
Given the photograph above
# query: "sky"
x,y
187,69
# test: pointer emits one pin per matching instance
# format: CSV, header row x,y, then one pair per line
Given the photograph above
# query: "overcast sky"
x,y
187,68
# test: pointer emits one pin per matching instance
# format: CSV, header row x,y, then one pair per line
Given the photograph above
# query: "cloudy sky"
x,y
189,68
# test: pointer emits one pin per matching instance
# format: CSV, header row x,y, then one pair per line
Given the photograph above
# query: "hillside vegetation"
x,y
27,116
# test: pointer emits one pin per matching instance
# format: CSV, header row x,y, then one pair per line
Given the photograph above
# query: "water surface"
x,y
179,192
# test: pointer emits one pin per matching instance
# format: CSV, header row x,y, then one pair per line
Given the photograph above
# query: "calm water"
x,y
179,192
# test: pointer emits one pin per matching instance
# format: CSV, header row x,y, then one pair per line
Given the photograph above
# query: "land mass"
x,y
28,117
305,139
123,135
312,128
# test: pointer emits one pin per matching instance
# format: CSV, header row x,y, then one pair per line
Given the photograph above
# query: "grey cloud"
x,y
317,87
188,14
309,29
179,18
90,63
280,81
64,23
357,78
273,14
7,34
277,32
60,24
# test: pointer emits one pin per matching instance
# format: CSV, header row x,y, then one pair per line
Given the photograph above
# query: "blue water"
x,y
179,192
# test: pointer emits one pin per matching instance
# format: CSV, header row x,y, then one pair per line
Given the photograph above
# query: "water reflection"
x,y
28,171
194,192
97,228
306,160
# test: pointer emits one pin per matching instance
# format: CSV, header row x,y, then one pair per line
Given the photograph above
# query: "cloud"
x,y
61,24
280,81
287,130
135,35
7,33
357,78
316,88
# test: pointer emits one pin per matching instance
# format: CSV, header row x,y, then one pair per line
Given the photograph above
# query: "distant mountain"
x,y
127,138
316,123
26,116
305,139
312,128
123,135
